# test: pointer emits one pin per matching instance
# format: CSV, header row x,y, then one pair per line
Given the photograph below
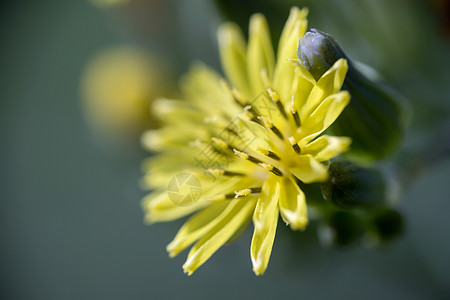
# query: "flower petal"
x,y
296,23
294,29
159,208
324,115
260,57
293,208
232,48
265,220
177,112
301,85
327,147
238,212
252,135
196,227
329,84
172,137
309,170
205,88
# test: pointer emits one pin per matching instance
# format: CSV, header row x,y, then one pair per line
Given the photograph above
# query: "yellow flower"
x,y
250,141
117,87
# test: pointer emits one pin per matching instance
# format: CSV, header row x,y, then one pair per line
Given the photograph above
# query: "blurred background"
x,y
71,225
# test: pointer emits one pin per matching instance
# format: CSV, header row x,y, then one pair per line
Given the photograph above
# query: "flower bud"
x,y
350,186
340,229
386,225
318,51
374,119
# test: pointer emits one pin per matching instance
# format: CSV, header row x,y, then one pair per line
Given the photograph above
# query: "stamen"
x,y
235,94
272,127
294,145
268,153
230,173
246,192
219,143
294,113
220,172
246,156
238,97
236,194
256,190
272,169
242,193
220,197
241,154
251,114
276,100
216,172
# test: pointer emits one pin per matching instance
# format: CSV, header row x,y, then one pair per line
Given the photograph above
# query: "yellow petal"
x,y
260,57
293,208
294,29
232,49
196,227
172,137
296,23
159,208
324,115
330,83
176,112
204,87
252,135
327,147
309,170
265,220
301,85
238,212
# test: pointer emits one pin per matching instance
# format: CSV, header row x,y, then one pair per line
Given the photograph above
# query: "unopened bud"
x,y
386,225
351,186
340,229
318,51
374,119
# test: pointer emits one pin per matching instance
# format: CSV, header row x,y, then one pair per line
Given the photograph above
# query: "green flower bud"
x,y
386,225
350,186
318,51
341,228
374,119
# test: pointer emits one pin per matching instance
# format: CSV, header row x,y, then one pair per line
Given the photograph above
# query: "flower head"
x,y
250,139
118,84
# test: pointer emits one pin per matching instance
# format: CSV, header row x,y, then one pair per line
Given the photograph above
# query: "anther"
x,y
252,114
237,96
276,99
219,143
272,169
246,156
216,172
268,153
294,113
246,192
294,145
241,154
220,172
272,127
242,193
220,197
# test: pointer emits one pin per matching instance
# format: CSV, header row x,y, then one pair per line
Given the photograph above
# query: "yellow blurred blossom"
x,y
118,85
250,140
